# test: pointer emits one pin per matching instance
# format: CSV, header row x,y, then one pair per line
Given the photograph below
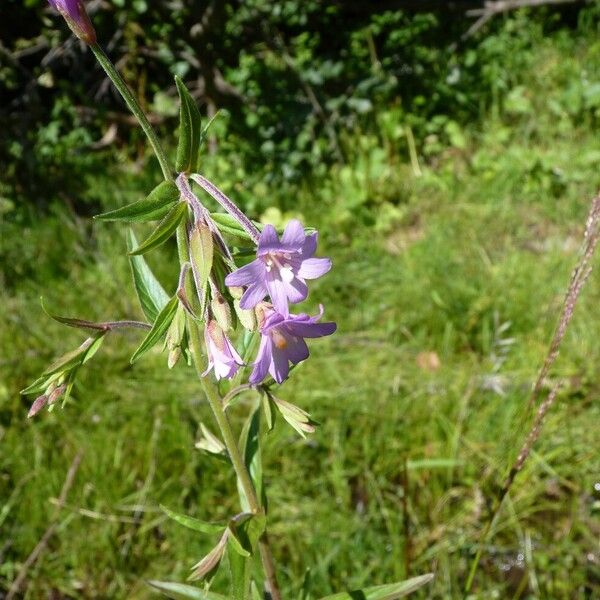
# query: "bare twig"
x,y
492,8
15,588
500,6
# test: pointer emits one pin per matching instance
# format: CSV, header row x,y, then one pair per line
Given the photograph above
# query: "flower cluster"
x,y
279,272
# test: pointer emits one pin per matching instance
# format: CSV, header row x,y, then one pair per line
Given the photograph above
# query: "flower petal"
x,y
278,294
253,295
268,241
310,330
250,273
296,290
310,245
296,350
311,268
263,360
279,368
293,237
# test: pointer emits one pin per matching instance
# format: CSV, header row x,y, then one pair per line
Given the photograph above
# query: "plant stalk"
x,y
135,108
216,405
210,389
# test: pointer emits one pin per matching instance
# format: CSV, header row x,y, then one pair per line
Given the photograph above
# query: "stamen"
x,y
279,339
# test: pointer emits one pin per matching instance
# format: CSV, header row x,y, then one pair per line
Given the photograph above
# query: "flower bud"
x,y
247,317
174,337
236,292
221,310
74,13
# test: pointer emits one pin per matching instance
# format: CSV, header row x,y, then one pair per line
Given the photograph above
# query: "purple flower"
x,y
222,356
77,18
282,341
281,268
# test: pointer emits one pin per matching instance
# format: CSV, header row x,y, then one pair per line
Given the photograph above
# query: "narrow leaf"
x,y
190,128
181,591
159,329
192,523
150,293
151,208
239,570
229,225
76,357
166,228
384,592
236,544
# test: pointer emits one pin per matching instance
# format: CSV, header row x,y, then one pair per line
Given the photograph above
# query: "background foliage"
x,y
449,179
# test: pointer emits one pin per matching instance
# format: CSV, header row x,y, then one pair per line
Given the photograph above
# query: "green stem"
x,y
210,389
135,108
216,404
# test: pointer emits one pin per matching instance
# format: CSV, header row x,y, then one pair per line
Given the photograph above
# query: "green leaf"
x,y
391,591
228,224
163,320
181,591
166,228
76,357
190,128
40,384
239,569
150,293
236,544
151,208
192,523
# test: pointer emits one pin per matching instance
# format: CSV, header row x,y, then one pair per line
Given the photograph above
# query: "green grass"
x,y
468,263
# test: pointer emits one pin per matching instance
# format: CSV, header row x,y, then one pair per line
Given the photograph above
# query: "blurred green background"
x,y
449,176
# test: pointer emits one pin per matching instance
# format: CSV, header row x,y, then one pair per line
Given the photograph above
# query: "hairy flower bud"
x,y
74,13
247,317
221,310
174,337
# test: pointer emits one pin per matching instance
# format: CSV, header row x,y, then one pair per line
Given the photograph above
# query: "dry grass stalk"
x,y
578,279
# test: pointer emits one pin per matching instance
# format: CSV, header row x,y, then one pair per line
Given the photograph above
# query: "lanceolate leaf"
x,y
151,294
250,442
152,208
159,329
181,591
166,228
192,523
190,129
76,357
227,224
391,591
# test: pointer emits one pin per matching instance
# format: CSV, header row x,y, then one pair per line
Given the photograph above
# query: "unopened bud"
x,y
56,394
201,258
221,310
247,317
173,357
74,13
174,336
37,405
236,292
